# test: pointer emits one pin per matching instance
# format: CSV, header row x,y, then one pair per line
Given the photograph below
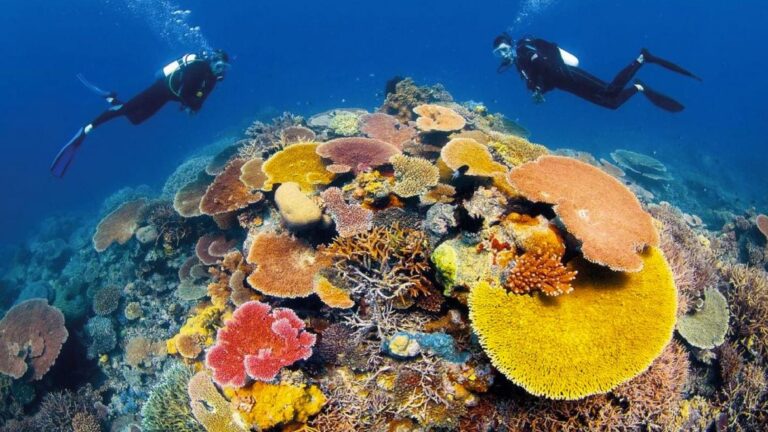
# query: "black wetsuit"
x,y
541,65
190,85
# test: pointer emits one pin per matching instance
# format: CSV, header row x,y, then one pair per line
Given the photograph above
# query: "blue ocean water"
x,y
309,56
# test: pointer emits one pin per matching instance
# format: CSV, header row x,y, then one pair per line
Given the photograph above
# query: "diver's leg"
x,y
147,103
622,78
586,86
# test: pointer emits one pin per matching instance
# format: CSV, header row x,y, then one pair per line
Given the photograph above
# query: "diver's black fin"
x,y
111,97
67,154
662,101
650,58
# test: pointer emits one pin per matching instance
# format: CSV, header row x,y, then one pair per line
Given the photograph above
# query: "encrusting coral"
x,y
606,216
263,405
120,225
557,346
297,163
31,336
257,342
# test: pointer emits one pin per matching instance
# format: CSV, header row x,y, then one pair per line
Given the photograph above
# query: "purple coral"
x,y
356,154
350,219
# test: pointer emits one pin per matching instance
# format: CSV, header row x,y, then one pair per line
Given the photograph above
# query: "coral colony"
x,y
423,267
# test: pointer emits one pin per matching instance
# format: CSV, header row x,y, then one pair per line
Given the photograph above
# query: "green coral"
x,y
168,407
706,327
345,123
460,264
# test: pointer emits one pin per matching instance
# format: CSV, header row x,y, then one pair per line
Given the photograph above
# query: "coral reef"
x,y
257,342
262,405
554,346
461,152
350,219
356,154
227,193
606,216
413,176
297,163
706,327
119,226
436,118
387,128
296,208
31,336
168,406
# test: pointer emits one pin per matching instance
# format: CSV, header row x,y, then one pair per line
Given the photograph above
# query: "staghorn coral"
x,y
332,295
85,422
556,346
106,300
413,175
31,336
707,326
168,406
296,208
227,193
186,202
262,405
350,219
605,215
387,128
466,151
257,342
356,154
285,266
297,163
57,410
536,270
436,118
119,226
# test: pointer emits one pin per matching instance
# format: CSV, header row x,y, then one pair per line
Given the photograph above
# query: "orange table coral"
x,y
466,151
436,118
595,207
227,193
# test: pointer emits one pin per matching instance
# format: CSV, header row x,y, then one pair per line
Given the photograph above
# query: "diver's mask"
x,y
220,68
504,52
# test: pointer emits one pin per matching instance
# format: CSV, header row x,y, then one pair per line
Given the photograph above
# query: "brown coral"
x,y
436,118
762,224
387,128
350,219
119,226
227,193
539,271
31,336
252,175
285,266
413,175
296,134
595,207
356,154
202,249
186,202
140,350
468,152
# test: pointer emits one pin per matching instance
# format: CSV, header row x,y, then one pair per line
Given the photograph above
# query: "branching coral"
x,y
436,118
257,342
387,128
31,336
536,270
106,300
748,299
298,163
413,175
557,346
356,154
285,266
227,193
350,219
466,151
119,226
595,207
263,405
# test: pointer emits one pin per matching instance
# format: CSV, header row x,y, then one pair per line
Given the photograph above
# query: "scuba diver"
x,y
544,66
188,80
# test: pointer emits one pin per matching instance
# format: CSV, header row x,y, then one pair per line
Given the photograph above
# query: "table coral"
x,y
514,150
762,224
186,202
298,163
31,336
262,405
595,207
120,225
350,219
466,151
387,128
606,332
332,295
209,407
296,134
257,342
706,328
285,266
413,175
227,193
436,118
356,154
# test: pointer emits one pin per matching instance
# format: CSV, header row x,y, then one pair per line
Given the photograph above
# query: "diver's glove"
x,y
538,97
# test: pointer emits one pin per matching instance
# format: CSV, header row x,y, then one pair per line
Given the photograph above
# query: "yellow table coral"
x,y
263,405
606,332
298,163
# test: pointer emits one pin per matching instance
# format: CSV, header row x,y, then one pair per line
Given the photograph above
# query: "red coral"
x,y
350,219
31,336
257,342
356,154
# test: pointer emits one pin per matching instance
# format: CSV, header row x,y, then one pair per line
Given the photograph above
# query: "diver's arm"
x,y
197,83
